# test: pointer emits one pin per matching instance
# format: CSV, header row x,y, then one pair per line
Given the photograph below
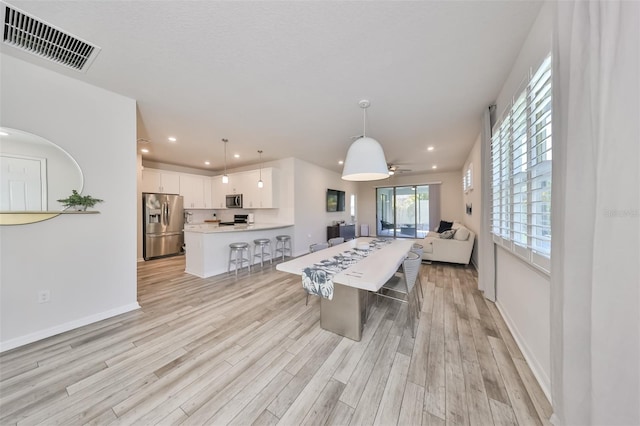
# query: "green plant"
x,y
76,199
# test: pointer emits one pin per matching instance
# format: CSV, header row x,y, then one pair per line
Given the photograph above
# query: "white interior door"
x,y
22,183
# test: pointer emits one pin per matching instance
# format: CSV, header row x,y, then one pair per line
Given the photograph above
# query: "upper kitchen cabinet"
x,y
218,192
248,181
208,193
159,181
196,191
265,197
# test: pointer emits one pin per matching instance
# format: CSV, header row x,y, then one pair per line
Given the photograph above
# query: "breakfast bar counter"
x,y
207,246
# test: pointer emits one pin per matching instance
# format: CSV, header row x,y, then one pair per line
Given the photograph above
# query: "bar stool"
x,y
236,256
283,244
262,244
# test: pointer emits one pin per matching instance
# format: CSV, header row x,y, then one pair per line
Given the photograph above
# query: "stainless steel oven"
x,y
234,201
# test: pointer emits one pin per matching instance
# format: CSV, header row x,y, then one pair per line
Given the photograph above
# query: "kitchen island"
x,y
207,246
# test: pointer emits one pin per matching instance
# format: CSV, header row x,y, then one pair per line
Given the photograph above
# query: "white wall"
x,y
451,207
139,208
311,217
523,294
87,262
473,197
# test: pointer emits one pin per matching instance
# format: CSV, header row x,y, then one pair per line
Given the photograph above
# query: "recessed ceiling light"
x,y
207,163
341,162
144,150
172,139
236,155
4,134
430,148
434,167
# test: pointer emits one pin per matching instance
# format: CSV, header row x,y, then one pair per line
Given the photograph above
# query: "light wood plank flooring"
x,y
247,350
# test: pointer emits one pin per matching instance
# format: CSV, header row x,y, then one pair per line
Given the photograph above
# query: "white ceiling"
x,y
286,77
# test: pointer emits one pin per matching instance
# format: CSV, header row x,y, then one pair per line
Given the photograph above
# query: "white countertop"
x,y
369,273
206,228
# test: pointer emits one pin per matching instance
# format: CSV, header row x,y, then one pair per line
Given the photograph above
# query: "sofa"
x,y
454,250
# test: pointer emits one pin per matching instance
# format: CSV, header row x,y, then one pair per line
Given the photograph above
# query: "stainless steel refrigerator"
x,y
163,225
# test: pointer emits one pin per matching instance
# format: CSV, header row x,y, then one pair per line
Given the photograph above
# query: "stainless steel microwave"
x,y
234,201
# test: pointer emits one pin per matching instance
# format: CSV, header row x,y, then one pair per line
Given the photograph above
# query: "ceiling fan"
x,y
395,168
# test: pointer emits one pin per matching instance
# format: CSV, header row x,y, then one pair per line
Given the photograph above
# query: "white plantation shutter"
x,y
521,172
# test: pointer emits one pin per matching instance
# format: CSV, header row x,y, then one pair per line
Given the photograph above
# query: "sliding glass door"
x,y
403,211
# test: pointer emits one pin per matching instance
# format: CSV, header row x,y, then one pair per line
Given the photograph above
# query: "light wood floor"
x,y
248,351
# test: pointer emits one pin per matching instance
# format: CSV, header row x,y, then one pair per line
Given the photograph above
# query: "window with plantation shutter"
x,y
521,172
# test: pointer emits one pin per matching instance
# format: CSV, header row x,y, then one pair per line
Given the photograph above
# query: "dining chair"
x,y
313,248
419,250
318,246
404,285
335,241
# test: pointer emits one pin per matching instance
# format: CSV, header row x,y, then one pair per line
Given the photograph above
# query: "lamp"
x,y
225,178
260,182
365,158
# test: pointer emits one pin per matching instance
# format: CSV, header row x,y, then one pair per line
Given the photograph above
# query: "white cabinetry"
x,y
208,193
260,198
218,192
159,181
204,192
249,189
196,191
269,194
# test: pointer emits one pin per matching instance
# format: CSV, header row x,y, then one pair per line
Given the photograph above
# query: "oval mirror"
x,y
34,173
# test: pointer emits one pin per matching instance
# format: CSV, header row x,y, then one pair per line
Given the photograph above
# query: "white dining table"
x,y
345,314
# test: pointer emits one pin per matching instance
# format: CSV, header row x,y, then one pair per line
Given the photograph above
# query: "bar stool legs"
x,y
283,245
262,244
236,256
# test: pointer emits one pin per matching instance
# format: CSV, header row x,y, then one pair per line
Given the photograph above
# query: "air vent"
x,y
34,36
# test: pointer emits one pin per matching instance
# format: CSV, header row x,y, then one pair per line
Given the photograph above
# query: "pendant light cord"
x,y
364,124
225,155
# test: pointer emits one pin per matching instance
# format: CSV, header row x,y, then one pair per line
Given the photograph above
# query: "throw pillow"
x,y
444,226
462,234
448,234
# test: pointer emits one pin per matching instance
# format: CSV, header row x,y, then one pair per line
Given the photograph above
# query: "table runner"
x,y
317,279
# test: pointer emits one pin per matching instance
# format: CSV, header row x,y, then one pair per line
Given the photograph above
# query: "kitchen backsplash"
x,y
226,215
199,215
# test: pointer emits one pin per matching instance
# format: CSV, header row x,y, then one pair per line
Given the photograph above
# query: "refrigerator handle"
x,y
166,206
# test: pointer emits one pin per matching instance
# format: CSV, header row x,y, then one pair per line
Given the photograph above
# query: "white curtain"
x,y
434,206
595,279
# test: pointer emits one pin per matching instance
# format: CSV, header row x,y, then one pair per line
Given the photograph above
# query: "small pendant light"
x,y
260,182
225,178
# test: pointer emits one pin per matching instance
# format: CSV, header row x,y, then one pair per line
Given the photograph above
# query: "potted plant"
x,y
79,202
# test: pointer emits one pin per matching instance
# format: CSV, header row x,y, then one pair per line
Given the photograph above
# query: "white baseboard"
x,y
43,334
473,262
536,368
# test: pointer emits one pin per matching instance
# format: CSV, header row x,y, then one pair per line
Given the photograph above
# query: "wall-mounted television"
x,y
335,200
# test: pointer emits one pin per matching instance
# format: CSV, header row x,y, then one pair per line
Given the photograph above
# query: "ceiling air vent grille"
x,y
34,36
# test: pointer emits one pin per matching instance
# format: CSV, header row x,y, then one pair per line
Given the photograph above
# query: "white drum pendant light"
x,y
365,158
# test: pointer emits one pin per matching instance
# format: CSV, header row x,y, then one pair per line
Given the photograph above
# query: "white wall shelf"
x,y
23,218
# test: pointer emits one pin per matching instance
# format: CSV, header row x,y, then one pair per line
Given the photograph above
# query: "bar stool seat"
x,y
262,244
283,245
236,256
